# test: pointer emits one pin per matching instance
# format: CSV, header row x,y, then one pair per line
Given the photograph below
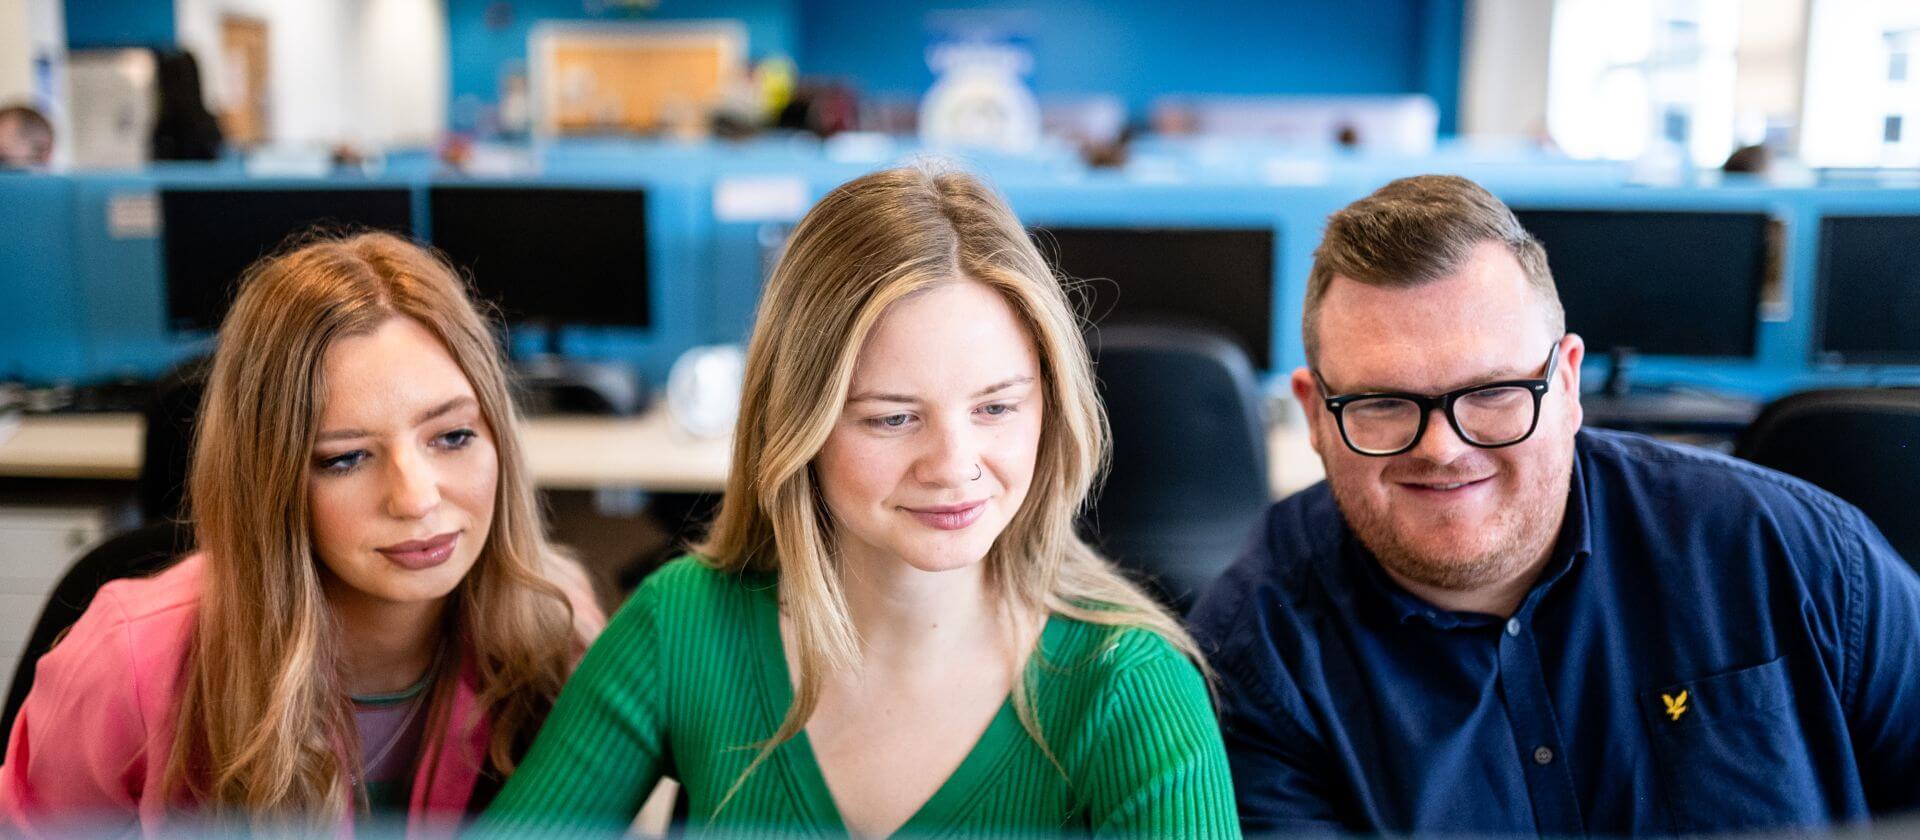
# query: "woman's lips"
x,y
422,554
949,517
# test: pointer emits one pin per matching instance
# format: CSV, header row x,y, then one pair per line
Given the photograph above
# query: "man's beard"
x,y
1518,535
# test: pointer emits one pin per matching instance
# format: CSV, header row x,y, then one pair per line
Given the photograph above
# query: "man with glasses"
x,y
1488,620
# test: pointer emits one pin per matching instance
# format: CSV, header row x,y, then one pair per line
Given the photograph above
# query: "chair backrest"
x,y
142,551
169,434
1861,444
1189,475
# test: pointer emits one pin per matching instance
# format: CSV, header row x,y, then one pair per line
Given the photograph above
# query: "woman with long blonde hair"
x,y
893,627
372,626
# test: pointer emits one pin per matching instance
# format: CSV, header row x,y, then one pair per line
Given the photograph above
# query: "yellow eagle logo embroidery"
x,y
1676,706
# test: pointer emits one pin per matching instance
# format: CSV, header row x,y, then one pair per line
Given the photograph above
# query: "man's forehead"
x,y
1488,291
1400,364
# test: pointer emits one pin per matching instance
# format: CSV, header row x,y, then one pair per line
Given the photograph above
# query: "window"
x,y
1860,92
1628,76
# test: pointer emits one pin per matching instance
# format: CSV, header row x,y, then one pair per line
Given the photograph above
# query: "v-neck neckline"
x,y
797,760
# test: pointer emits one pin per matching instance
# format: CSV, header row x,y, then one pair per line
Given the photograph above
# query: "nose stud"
x,y
977,472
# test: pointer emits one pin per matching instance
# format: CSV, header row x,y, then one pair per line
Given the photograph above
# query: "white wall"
x,y
1504,92
369,72
16,52
405,65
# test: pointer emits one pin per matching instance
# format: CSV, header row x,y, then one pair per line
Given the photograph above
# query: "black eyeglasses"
x,y
1489,415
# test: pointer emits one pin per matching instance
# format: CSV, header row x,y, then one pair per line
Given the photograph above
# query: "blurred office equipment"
x,y
632,78
1189,477
1215,278
1403,125
1661,283
552,258
703,389
113,107
210,236
1869,288
1861,444
979,99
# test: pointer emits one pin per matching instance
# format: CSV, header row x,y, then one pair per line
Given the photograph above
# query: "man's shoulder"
x,y
1286,560
1694,484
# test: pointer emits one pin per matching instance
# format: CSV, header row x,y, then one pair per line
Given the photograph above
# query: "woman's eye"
x,y
998,409
891,421
343,463
458,438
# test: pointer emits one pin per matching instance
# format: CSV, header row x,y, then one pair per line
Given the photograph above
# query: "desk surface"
x,y
564,452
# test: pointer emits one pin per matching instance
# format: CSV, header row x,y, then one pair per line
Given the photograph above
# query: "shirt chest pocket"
x,y
1730,752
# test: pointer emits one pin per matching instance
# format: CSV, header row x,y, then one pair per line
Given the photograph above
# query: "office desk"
x,y
564,452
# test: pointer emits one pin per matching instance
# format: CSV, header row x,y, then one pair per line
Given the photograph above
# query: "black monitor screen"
x,y
1869,289
1218,278
550,255
210,236
1662,283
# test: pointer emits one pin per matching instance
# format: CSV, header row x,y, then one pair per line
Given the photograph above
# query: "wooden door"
x,y
244,57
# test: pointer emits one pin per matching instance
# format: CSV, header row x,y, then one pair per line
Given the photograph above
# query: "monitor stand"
x,y
1620,404
552,384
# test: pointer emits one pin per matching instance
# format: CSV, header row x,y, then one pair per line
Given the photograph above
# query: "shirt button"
x,y
1542,755
1513,629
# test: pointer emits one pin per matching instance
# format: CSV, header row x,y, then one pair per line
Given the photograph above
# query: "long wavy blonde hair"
x,y
870,243
265,730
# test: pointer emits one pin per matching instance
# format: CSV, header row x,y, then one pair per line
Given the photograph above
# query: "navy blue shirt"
x,y
1711,646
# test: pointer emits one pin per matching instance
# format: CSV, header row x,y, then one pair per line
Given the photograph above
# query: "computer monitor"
x,y
210,236
1869,290
1221,278
1669,283
557,256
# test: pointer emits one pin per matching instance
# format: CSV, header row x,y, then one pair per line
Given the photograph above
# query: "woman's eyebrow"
x,y
425,417
878,396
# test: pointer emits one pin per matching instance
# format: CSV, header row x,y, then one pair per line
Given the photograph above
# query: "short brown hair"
x,y
1414,231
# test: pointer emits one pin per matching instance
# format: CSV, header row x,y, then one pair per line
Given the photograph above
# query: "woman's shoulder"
x,y
121,659
157,610
1109,648
691,578
690,590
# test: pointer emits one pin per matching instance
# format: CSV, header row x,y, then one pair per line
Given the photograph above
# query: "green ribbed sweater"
x,y
691,672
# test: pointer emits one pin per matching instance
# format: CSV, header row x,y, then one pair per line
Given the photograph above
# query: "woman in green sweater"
x,y
893,627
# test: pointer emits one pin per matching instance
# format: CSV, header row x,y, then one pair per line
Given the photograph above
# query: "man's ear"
x,y
1306,392
1569,373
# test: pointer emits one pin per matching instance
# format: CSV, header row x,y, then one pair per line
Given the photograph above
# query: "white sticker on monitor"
x,y
133,215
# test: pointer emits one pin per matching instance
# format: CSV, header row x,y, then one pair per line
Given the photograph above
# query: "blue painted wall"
x,y
1142,49
1139,49
119,23
486,37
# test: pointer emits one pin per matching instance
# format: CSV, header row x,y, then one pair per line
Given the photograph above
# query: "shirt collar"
x,y
1574,543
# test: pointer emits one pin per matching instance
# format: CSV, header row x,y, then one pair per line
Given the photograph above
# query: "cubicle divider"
x,y
82,268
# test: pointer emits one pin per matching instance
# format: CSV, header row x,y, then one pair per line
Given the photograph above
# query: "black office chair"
x,y
1189,476
170,415
1861,444
142,551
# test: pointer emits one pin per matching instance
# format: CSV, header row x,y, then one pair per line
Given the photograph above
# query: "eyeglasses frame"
x,y
1336,404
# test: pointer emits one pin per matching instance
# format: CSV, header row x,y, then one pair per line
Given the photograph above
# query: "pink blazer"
x,y
90,746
